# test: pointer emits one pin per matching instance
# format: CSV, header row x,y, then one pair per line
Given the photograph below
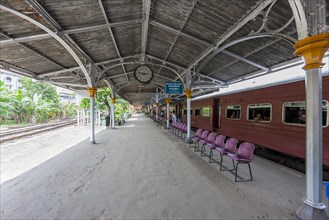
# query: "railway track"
x,y
13,134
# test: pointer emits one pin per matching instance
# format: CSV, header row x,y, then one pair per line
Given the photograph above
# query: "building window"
x,y
8,80
197,111
206,111
294,113
233,112
260,112
19,85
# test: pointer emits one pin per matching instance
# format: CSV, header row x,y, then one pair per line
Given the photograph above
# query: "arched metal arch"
x,y
54,35
300,18
159,85
111,88
289,39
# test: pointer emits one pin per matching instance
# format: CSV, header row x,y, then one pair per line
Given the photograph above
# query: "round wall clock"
x,y
143,73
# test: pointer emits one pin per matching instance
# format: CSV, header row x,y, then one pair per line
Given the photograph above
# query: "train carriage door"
x,y
215,113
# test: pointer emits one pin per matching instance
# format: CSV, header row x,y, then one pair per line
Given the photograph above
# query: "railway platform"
x,y
140,171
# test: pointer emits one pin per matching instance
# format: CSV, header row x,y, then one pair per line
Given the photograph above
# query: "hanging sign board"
x,y
174,88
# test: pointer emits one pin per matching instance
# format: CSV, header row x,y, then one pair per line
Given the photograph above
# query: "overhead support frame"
x,y
70,31
112,36
145,27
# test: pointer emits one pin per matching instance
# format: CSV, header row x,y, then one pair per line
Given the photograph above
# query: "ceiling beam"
x,y
120,75
70,31
64,83
183,68
57,28
33,50
246,60
166,62
77,68
269,43
145,27
52,22
177,35
112,36
54,35
180,33
237,26
16,69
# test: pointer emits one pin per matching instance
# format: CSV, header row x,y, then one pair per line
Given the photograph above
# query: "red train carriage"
x,y
204,113
273,117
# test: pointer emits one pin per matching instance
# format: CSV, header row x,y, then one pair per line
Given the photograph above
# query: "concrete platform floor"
x,y
139,171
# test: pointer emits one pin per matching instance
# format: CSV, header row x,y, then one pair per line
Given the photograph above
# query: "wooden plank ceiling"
x,y
181,34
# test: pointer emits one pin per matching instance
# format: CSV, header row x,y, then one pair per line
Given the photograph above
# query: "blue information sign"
x,y
174,88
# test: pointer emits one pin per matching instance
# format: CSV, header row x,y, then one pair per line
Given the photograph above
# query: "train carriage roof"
x,y
220,41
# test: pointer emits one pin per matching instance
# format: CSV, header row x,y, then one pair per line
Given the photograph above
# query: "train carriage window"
x,y
185,111
206,111
294,113
197,111
233,112
260,112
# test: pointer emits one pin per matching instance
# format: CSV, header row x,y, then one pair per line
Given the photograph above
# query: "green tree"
x,y
30,88
103,99
7,99
35,102
23,108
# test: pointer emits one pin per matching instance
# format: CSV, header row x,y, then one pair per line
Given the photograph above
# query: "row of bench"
x,y
159,120
205,141
178,129
217,143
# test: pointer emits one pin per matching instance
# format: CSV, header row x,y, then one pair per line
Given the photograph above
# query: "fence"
x,y
83,117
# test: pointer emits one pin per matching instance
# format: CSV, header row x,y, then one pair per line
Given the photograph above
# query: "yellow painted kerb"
x,y
167,100
92,92
313,49
188,93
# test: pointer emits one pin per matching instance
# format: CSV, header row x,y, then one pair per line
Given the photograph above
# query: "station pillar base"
x,y
308,212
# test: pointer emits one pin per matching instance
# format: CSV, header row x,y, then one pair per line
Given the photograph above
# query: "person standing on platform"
x,y
173,118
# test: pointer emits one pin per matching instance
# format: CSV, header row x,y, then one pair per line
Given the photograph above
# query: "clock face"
x,y
143,73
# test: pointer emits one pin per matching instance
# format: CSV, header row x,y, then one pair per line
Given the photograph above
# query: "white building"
x,y
12,82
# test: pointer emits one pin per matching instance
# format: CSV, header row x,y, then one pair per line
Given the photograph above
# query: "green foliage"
x,y
6,100
35,102
31,88
121,106
70,110
103,99
85,103
103,102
